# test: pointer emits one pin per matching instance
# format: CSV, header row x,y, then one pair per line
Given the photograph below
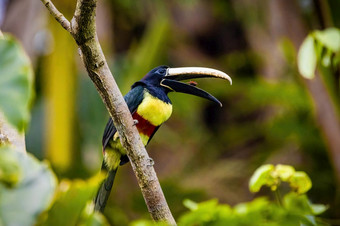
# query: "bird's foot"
x,y
135,122
151,162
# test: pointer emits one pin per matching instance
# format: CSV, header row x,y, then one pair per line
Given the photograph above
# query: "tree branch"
x,y
83,30
327,118
57,15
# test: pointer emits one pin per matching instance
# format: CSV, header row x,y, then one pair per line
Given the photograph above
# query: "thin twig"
x,y
57,15
278,197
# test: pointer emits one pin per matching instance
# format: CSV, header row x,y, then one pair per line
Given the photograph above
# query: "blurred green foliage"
x,y
293,209
16,82
28,194
273,176
26,187
322,46
73,204
9,169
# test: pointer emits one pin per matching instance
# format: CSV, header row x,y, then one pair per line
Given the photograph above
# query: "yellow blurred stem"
x,y
278,197
59,87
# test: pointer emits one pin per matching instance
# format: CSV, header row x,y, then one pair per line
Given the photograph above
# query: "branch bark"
x,y
328,120
83,29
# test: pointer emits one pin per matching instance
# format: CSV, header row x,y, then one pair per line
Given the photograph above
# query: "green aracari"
x,y
150,107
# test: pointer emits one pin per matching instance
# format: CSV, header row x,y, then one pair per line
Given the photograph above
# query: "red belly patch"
x,y
143,125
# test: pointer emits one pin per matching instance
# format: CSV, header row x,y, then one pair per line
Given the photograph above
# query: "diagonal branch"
x,y
83,30
57,15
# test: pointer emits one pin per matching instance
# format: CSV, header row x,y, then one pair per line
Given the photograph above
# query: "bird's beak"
x,y
174,75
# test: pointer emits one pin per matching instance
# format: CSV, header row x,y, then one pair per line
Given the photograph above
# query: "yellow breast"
x,y
154,110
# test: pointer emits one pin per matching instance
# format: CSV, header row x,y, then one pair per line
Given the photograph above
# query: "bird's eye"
x,y
162,71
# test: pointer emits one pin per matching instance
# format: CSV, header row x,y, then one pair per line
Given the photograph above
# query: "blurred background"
x,y
270,114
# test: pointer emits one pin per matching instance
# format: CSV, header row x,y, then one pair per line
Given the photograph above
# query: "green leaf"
x,y
336,60
208,211
318,208
262,176
309,220
330,38
297,203
148,223
284,171
70,201
191,205
301,205
10,171
288,50
253,206
327,58
32,193
91,218
300,182
307,58
16,83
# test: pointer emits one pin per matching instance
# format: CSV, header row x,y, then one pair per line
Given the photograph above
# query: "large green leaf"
x,y
307,58
16,82
10,171
300,182
284,172
260,211
301,205
330,38
32,190
272,176
70,202
205,213
262,176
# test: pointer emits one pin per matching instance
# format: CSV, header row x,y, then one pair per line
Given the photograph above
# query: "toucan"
x,y
150,107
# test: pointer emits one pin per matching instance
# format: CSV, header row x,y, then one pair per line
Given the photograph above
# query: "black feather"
x,y
104,190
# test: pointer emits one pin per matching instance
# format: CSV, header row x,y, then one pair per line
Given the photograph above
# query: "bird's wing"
x,y
133,98
153,133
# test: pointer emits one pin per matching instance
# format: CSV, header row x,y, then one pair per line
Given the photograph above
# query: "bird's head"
x,y
169,80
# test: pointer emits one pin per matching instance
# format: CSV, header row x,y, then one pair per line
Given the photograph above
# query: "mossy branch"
x,y
83,29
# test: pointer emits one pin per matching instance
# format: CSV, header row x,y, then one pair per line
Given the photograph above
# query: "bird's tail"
x,y
104,190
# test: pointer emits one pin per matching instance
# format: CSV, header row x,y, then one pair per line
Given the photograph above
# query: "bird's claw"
x,y
151,162
135,122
